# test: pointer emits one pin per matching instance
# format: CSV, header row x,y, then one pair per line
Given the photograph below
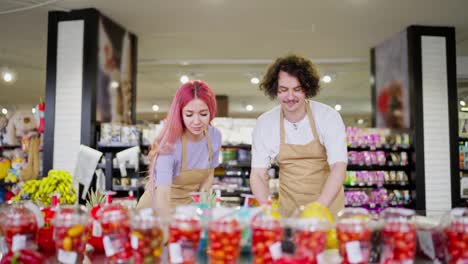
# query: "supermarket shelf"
x,y
464,170
374,186
462,139
243,146
352,167
127,188
114,148
383,148
5,147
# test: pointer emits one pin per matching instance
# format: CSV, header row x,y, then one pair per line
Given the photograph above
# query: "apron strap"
x,y
184,150
282,141
311,121
208,142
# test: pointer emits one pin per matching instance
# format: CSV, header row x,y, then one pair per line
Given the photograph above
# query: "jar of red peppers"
x,y
71,232
184,232
456,231
147,239
45,234
115,223
398,236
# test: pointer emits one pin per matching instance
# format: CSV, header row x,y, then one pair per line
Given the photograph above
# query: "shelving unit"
x,y
110,152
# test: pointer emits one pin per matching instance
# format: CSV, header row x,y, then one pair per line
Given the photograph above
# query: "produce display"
x,y
45,234
184,232
147,237
71,231
456,232
398,235
115,223
40,191
19,227
354,236
267,234
224,240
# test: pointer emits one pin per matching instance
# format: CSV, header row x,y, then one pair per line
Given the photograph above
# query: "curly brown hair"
x,y
300,67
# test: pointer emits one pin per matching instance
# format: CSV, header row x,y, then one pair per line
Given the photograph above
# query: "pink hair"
x,y
174,125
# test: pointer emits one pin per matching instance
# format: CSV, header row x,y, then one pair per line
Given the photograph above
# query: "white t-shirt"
x,y
329,125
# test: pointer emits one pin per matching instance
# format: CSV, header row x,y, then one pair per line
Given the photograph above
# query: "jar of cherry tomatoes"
x,y
19,227
184,235
115,224
455,227
71,232
147,238
354,235
398,236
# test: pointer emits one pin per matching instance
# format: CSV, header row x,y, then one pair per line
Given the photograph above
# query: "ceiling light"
x,y
155,108
464,109
338,107
114,84
360,121
184,79
249,108
255,80
4,111
462,103
327,79
33,110
7,76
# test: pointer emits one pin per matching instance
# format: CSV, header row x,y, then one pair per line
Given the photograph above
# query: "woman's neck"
x,y
191,137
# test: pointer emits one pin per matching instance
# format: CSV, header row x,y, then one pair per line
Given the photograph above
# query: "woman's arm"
x,y
162,201
208,183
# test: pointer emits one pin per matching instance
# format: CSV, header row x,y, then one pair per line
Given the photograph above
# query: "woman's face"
x,y
196,117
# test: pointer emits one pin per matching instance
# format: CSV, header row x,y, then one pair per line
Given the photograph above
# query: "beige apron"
x,y
303,171
186,182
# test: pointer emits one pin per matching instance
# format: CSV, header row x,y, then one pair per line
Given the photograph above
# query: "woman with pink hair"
x,y
184,155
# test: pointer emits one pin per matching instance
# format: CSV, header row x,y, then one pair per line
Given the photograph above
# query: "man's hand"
x,y
259,184
333,184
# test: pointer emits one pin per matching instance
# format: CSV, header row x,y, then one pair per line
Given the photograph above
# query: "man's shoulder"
x,y
323,111
271,115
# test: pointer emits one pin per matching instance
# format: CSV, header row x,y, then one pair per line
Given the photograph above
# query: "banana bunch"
x,y
57,181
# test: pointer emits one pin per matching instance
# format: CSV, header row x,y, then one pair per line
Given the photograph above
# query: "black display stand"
x,y
412,54
91,18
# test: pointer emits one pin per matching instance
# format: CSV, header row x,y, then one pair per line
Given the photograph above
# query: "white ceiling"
x,y
228,41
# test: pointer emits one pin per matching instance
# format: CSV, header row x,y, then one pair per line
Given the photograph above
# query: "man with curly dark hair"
x,y
307,140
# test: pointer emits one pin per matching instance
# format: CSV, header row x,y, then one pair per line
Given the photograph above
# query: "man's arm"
x,y
259,184
333,184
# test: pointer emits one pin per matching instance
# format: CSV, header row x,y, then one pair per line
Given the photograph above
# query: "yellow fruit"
x,y
67,244
75,231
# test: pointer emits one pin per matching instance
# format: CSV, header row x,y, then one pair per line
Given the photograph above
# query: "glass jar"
x,y
147,238
185,233
19,227
456,232
71,232
398,236
354,235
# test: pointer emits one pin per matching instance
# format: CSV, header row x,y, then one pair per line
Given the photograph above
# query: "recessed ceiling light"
x,y
33,110
327,79
155,108
184,79
338,107
114,84
255,80
249,108
4,111
360,121
462,103
7,76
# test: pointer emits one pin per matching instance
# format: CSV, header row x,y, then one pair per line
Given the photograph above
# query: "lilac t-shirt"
x,y
168,165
